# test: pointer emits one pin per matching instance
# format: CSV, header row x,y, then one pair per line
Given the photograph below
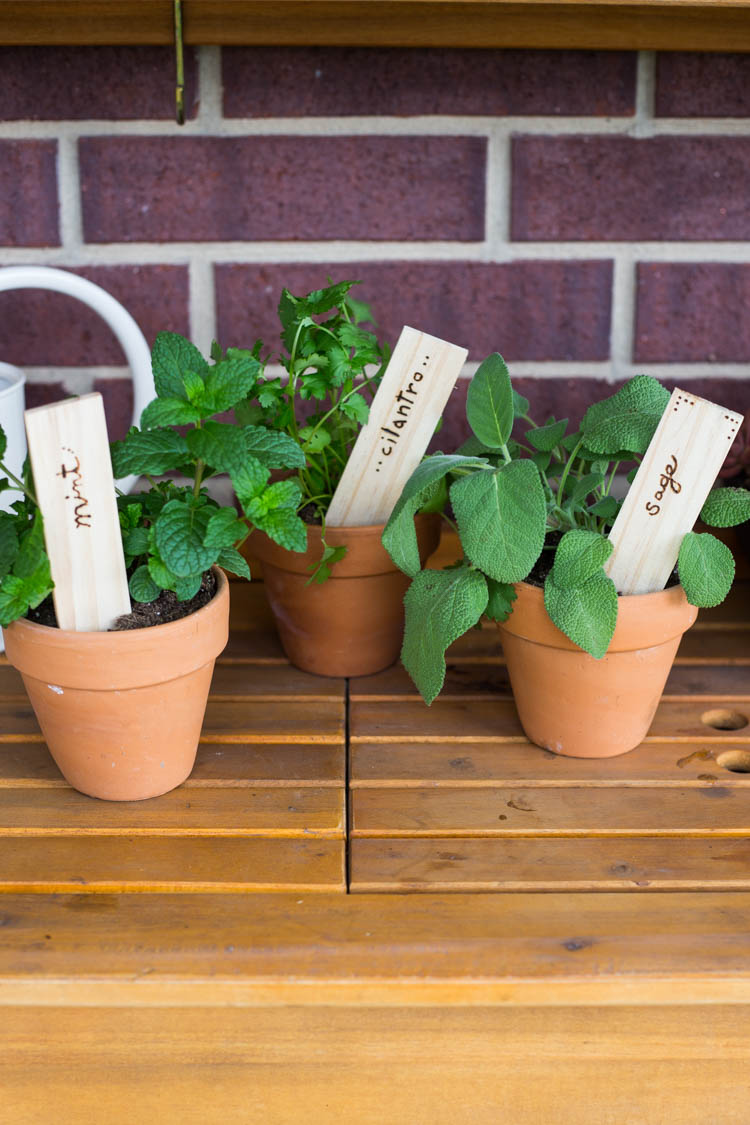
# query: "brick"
x,y
341,82
571,397
118,405
166,189
617,188
692,312
526,310
38,328
28,193
42,394
702,85
92,83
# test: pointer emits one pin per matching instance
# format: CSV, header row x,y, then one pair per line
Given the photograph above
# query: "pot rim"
x,y
643,620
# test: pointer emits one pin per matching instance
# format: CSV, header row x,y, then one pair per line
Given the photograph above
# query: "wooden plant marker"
x,y
676,475
405,411
69,452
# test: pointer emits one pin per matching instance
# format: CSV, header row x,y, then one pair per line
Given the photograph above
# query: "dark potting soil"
x,y
161,611
310,515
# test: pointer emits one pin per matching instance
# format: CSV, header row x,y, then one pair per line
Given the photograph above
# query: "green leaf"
x,y
627,420
545,438
441,605
8,542
187,587
224,530
587,614
606,508
3,443
171,356
231,560
148,451
229,382
193,386
249,481
284,526
489,402
726,507
161,574
581,488
179,534
220,444
135,541
706,569
579,555
274,449
31,552
321,570
169,412
314,439
280,494
356,408
502,596
501,519
399,536
142,586
520,404
18,595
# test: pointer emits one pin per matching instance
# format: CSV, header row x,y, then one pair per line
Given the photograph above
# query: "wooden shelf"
x,y
706,25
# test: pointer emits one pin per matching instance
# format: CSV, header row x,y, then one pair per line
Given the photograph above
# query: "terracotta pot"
x,y
352,624
575,705
122,712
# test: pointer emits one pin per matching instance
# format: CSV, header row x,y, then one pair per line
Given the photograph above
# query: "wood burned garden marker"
x,y
69,451
676,475
405,411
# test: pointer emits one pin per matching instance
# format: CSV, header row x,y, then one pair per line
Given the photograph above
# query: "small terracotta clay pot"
x,y
353,623
122,712
575,705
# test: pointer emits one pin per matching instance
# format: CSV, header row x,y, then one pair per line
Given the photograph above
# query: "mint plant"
x,y
173,533
25,578
546,491
333,368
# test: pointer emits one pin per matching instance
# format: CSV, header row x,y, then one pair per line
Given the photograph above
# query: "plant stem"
x,y
19,484
566,471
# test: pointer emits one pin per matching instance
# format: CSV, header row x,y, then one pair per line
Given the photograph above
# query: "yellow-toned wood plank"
x,y
248,647
650,864
573,1067
709,811
378,764
271,682
217,764
271,811
515,949
109,865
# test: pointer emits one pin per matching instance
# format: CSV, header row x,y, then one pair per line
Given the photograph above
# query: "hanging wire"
x,y
180,64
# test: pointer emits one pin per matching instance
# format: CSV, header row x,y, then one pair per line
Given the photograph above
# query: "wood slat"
x,y
456,764
709,811
110,865
183,812
648,864
609,24
458,720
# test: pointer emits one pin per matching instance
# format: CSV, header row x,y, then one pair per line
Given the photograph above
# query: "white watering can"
x,y
12,379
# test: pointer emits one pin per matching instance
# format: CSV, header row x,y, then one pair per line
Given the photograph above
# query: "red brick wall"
x,y
585,213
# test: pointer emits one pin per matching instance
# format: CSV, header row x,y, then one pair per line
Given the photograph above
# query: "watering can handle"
x,y
119,320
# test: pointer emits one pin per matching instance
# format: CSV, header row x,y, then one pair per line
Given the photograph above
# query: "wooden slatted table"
x,y
146,969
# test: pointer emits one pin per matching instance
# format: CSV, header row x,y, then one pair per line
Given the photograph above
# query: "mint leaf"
x,y
187,587
193,386
218,444
706,569
231,560
229,382
3,443
726,507
579,555
587,614
179,534
441,605
249,481
135,541
489,402
8,542
224,530
545,438
500,603
142,586
281,494
399,537
168,412
161,574
148,451
171,356
284,526
31,552
274,449
501,519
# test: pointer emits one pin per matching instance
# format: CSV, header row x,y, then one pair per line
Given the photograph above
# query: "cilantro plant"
x,y
333,368
173,533
551,491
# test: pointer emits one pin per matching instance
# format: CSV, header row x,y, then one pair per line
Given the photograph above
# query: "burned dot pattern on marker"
x,y
425,361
